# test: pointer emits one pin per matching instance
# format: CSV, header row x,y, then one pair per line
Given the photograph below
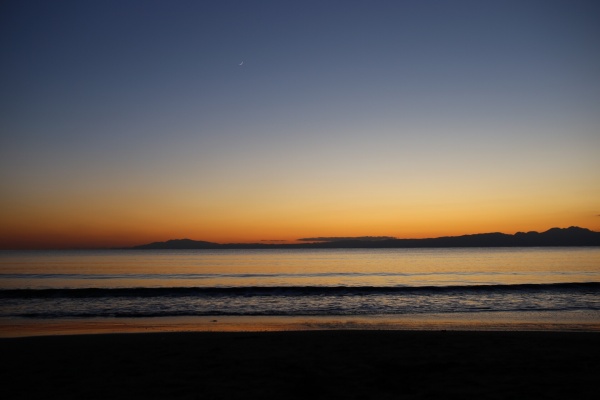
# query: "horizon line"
x,y
282,242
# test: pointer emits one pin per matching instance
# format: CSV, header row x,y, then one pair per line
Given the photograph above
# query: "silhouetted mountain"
x,y
179,244
573,236
342,239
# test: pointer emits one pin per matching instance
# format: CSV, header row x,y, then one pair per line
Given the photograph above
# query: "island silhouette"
x,y
572,236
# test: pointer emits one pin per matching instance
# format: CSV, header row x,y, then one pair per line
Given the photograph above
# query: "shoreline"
x,y
359,364
566,321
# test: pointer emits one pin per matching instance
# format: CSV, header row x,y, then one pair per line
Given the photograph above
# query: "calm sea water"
x,y
128,283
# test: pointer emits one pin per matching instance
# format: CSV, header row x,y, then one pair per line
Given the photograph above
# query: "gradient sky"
x,y
125,122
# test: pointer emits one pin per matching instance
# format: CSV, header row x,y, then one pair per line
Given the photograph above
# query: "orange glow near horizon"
x,y
76,230
286,210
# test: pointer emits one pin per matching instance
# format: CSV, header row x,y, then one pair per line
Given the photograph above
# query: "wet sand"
x,y
495,321
353,364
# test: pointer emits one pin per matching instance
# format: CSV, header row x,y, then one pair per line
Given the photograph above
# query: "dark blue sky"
x,y
415,108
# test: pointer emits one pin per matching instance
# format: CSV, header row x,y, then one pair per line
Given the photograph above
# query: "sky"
x,y
126,122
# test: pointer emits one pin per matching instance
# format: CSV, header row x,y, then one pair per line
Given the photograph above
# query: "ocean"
x,y
337,283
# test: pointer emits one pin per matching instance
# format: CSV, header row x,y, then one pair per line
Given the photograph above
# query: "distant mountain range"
x,y
573,236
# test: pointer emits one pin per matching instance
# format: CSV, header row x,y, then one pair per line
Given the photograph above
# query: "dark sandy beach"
x,y
308,364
